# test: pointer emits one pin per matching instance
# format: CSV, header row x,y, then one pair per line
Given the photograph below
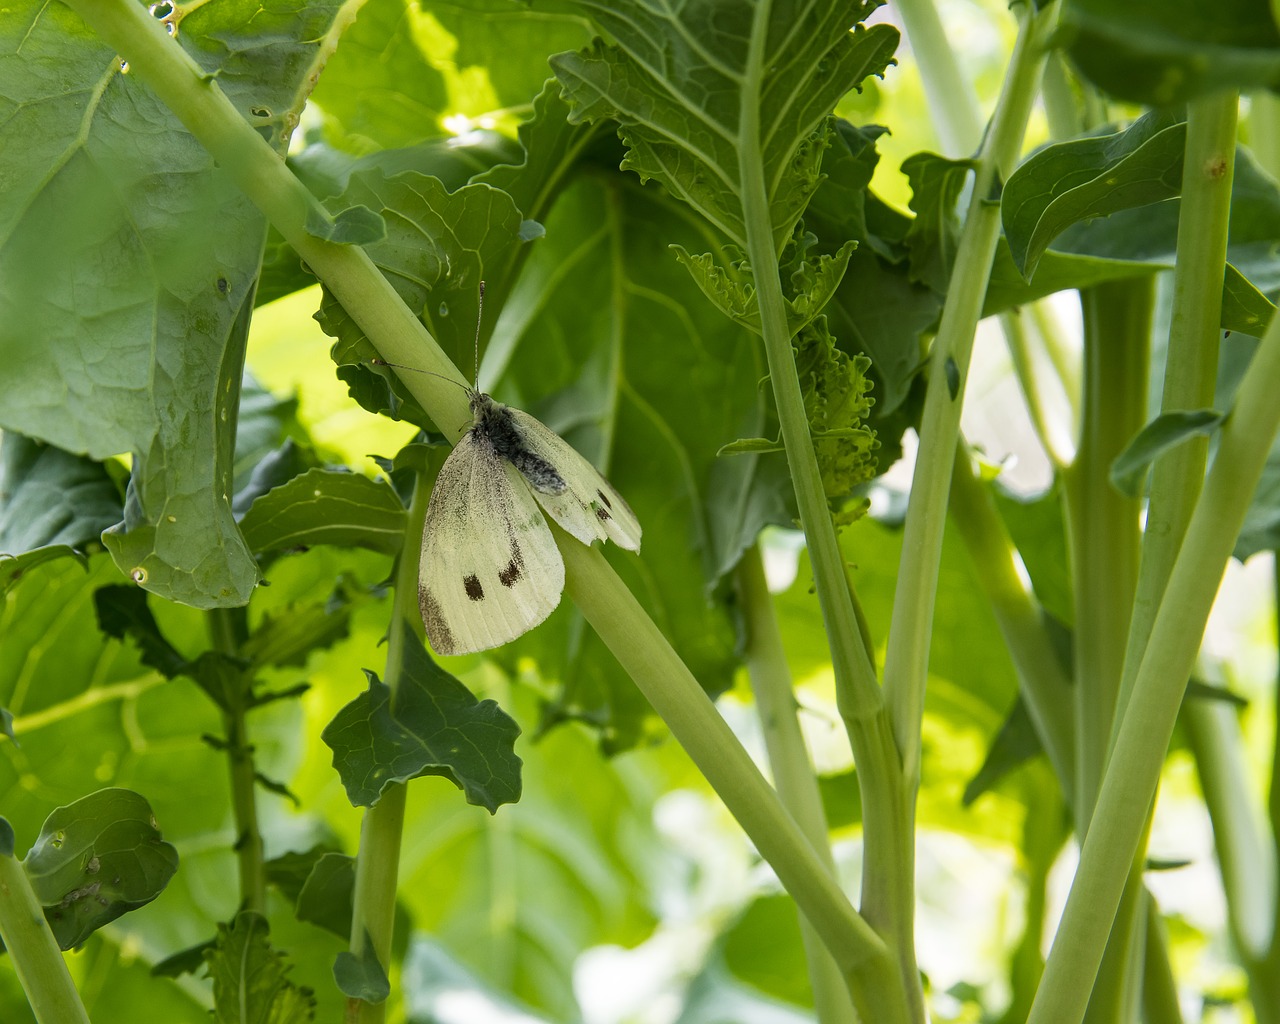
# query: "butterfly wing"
x,y
589,507
490,570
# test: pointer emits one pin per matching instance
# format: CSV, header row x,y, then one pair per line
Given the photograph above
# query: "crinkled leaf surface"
x,y
679,78
96,859
324,506
250,978
436,728
51,497
106,256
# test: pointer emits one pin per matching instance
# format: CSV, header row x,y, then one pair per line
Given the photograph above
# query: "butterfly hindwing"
x,y
589,508
490,569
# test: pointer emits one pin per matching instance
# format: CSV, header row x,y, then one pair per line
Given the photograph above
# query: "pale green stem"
x,y
868,967
907,659
381,831
793,773
1014,326
34,951
1133,772
953,100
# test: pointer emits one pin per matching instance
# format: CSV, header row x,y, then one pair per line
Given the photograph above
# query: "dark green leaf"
x,y
325,898
185,961
1261,529
7,838
267,426
1166,431
289,871
324,506
1161,54
361,977
250,983
13,569
681,119
274,469
278,788
289,635
356,225
123,613
96,859
1081,179
437,728
49,497
936,184
1015,743
1244,308
1200,690
6,723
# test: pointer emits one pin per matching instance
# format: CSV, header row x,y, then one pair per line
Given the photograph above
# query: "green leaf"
x,y
326,896
1166,431
439,247
185,961
1015,744
936,185
289,871
682,119
123,613
1160,54
751,445
144,356
324,506
273,469
361,977
356,225
7,837
6,723
250,983
13,569
49,497
96,859
1261,529
437,728
288,636
1080,179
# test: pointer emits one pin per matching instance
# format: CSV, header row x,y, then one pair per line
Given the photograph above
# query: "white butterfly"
x,y
490,569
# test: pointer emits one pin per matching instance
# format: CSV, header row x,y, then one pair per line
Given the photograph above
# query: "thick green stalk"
x,y
34,951
953,101
378,862
1133,773
907,659
1191,365
793,773
869,969
1103,525
227,631
1043,681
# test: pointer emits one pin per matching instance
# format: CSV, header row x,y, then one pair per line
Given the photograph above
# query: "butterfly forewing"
x,y
490,570
589,508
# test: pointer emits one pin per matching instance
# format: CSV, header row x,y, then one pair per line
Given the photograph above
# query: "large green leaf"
x,y
107,258
51,497
708,94
1162,53
96,859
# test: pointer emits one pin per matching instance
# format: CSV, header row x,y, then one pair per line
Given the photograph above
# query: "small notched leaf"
x,y
123,613
324,506
438,728
185,961
96,859
250,980
932,239
952,372
361,977
356,225
1166,431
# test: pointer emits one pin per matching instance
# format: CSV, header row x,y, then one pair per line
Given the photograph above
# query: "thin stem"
x,y
869,970
789,761
34,951
1014,326
381,831
1042,678
227,630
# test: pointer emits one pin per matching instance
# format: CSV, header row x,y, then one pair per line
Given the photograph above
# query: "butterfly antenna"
x,y
479,317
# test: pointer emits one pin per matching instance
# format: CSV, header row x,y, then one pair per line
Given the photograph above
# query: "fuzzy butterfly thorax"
x,y
495,421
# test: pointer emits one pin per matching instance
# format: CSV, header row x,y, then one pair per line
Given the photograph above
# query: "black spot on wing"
x,y
602,513
514,570
472,586
605,498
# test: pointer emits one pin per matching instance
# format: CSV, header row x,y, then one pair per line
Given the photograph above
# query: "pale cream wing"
x,y
589,508
490,570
